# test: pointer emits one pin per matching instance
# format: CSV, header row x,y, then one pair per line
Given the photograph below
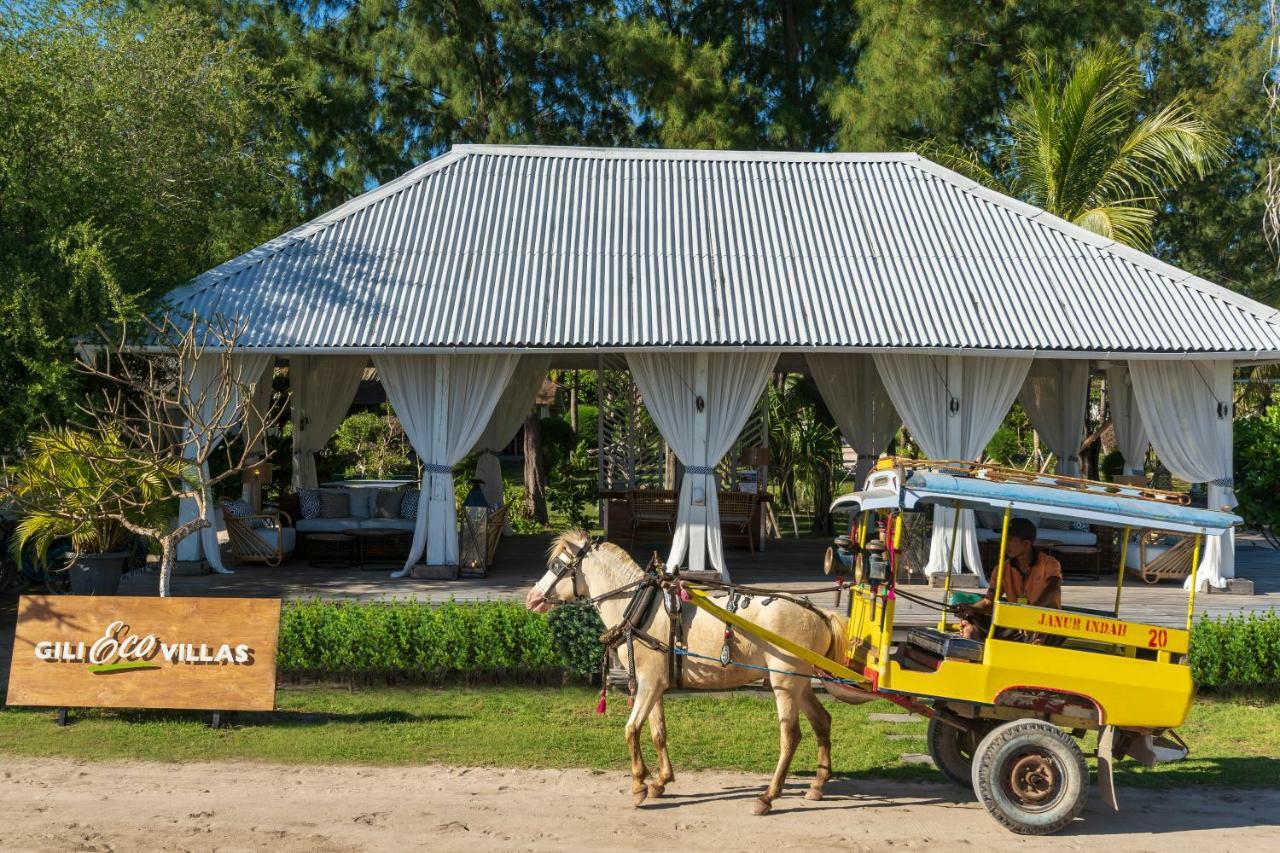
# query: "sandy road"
x,y
69,805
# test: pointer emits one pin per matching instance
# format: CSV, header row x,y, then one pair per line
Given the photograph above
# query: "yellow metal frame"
x,y
1136,675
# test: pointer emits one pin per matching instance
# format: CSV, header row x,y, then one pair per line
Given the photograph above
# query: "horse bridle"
x,y
569,565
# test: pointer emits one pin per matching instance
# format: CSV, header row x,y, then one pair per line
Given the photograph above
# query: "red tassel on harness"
x,y
600,706
684,594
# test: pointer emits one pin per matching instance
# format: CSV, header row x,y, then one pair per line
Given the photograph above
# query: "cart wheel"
x,y
1031,777
952,750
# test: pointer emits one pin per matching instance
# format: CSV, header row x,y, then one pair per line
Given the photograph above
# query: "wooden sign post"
x,y
215,654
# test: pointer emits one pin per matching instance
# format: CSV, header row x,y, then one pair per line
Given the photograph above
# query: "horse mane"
x,y
616,556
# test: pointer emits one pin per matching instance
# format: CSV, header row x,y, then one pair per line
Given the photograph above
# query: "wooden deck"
x,y
786,564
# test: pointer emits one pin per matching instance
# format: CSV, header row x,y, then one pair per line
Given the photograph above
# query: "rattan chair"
x,y
736,512
652,511
264,537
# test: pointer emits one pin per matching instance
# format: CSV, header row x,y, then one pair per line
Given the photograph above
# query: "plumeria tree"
x,y
174,397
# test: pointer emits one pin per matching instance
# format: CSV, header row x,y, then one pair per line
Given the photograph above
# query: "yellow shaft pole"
x,y
951,557
1195,581
1124,555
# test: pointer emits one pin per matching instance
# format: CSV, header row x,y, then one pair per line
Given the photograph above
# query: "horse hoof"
x,y
638,797
655,790
813,794
760,807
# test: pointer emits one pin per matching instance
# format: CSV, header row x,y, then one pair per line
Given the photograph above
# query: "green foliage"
x,y
83,486
519,518
1075,143
414,640
1256,447
571,488
577,629
558,441
136,150
369,445
1239,653
1111,465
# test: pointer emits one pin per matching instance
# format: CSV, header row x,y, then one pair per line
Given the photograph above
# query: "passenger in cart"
x,y
1031,576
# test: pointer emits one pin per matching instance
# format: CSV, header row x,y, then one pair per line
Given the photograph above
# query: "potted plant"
x,y
87,488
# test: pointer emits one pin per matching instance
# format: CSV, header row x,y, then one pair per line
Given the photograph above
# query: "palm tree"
x,y
1077,146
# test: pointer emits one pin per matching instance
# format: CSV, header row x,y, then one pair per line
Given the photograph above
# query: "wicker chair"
x,y
1172,563
736,512
264,537
652,511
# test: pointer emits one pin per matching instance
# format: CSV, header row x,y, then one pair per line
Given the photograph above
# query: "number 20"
x,y
1158,638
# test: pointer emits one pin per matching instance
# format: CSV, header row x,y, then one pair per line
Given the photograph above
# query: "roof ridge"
x,y
1263,312
607,153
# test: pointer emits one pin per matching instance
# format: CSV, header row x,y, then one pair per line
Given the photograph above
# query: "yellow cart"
x,y
1006,716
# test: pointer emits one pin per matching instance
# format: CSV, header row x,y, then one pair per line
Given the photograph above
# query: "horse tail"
x,y
838,645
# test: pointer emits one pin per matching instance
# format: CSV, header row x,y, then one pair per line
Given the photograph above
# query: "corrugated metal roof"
x,y
568,248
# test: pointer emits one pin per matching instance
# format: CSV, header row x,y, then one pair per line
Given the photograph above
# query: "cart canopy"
x,y
1104,504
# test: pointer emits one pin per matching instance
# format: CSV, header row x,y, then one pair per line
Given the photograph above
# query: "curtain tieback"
x,y
699,469
488,452
437,469
1224,482
868,456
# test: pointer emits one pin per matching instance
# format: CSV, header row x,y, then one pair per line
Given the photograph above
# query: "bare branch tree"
x,y
175,397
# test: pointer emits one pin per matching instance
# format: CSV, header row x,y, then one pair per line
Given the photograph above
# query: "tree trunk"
x,y
535,476
166,565
573,403
822,500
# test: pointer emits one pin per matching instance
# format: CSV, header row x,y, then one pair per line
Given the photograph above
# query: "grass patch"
x,y
1234,741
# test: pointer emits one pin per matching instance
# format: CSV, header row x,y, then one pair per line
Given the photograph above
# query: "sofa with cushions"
x,y
338,509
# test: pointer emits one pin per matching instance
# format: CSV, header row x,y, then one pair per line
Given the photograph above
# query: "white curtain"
x,y
261,405
444,403
321,390
1055,395
700,402
508,415
854,393
1187,409
1126,420
952,405
214,386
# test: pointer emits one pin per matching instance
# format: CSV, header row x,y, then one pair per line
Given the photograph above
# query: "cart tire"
x,y
952,751
1031,777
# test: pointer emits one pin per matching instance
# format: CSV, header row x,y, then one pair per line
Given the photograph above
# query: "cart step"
x,y
945,645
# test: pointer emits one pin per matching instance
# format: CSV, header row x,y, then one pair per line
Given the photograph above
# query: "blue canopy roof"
x,y
1097,506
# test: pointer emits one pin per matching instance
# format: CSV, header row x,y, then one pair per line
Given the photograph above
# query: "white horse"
x,y
578,568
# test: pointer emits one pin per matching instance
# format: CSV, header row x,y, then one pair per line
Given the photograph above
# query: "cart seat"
x,y
951,646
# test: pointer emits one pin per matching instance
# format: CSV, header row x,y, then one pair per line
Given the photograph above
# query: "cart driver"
x,y
1031,576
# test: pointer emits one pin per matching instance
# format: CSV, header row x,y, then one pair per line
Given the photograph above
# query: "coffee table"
x,y
380,548
341,550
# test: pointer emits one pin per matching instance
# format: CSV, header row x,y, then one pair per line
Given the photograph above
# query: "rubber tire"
x,y
1010,739
947,748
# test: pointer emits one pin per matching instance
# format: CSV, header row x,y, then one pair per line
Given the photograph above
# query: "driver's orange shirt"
x,y
1040,585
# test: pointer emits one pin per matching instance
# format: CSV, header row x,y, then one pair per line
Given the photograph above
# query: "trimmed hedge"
x,y
501,641
416,641
1237,653
426,642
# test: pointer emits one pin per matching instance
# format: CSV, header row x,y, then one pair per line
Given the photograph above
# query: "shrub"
x,y
558,441
1237,653
1257,440
572,488
1111,466
416,641
577,629
518,515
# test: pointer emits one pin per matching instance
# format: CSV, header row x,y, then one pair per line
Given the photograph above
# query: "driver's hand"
x,y
964,611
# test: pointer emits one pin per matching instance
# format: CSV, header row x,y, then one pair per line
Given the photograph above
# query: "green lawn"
x,y
1234,742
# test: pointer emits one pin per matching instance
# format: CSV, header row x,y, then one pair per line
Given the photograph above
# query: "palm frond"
x,y
1162,150
962,159
1125,223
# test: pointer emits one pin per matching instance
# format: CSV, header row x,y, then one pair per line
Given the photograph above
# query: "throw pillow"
x,y
388,504
335,505
409,504
239,509
309,502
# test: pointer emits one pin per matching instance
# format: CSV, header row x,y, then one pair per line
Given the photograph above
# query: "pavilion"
x,y
911,294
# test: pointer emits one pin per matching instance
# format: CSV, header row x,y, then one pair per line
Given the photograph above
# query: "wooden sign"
x,y
79,651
